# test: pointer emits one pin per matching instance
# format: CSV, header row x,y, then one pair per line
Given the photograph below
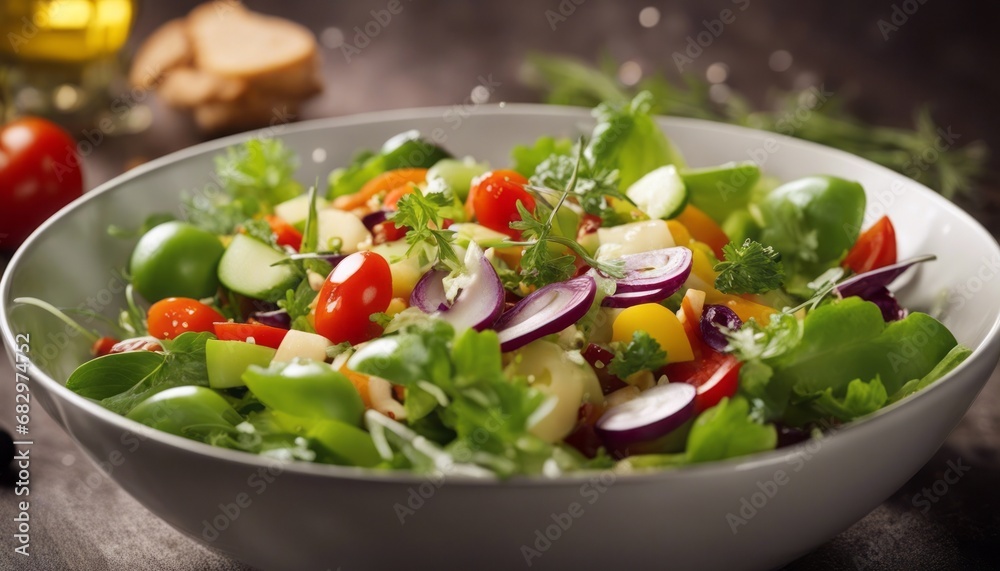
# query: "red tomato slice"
x,y
261,334
875,248
172,316
715,376
359,286
493,200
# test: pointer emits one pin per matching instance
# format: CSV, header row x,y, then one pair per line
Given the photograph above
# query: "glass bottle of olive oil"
x,y
61,56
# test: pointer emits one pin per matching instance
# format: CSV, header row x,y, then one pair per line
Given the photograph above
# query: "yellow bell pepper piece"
x,y
661,324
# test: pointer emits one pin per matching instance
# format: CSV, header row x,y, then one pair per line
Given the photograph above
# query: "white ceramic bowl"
x,y
304,516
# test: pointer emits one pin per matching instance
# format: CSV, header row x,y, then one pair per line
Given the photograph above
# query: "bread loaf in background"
x,y
233,68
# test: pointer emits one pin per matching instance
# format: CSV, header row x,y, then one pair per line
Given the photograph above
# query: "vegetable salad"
x,y
596,303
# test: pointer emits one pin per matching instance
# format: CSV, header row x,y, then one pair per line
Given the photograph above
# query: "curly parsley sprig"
x,y
540,265
750,268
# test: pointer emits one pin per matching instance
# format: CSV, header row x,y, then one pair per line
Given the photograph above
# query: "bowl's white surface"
x,y
306,516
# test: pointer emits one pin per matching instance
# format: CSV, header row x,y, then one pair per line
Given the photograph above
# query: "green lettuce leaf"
x,y
862,398
727,430
627,138
527,159
954,358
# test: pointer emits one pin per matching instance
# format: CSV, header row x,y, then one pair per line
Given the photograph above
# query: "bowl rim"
x,y
370,475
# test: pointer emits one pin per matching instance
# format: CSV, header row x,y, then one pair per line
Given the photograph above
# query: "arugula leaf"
x,y
527,159
642,353
182,364
750,268
726,431
112,374
424,216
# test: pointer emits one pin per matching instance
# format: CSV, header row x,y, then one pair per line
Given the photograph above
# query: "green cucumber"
x,y
246,268
660,193
226,361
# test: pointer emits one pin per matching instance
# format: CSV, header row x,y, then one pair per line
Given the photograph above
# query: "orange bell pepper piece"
x,y
385,182
703,229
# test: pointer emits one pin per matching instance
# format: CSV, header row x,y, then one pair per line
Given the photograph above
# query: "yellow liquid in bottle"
x,y
63,31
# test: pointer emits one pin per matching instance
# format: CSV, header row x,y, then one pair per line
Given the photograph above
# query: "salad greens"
x,y
429,313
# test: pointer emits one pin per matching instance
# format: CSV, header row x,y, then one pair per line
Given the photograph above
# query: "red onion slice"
x,y
653,414
277,318
620,300
476,307
548,310
869,283
373,219
655,270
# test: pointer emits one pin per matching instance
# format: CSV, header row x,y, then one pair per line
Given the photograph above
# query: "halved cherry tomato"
x,y
384,182
493,200
285,234
261,334
715,376
359,286
172,316
703,229
103,346
387,232
875,248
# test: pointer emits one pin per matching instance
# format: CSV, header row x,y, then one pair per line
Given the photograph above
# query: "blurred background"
x,y
909,83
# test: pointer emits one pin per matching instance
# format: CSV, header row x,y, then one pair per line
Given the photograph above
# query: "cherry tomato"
x,y
103,346
172,316
875,248
715,376
494,197
261,334
387,232
359,286
285,234
40,171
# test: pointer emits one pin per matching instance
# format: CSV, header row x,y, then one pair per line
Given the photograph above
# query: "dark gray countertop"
x,y
432,55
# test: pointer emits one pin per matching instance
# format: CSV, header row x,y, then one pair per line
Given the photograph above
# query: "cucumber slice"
x,y
226,361
245,268
660,193
296,210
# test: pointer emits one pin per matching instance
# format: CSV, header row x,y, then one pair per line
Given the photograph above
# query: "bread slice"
x,y
167,48
189,87
272,54
252,109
